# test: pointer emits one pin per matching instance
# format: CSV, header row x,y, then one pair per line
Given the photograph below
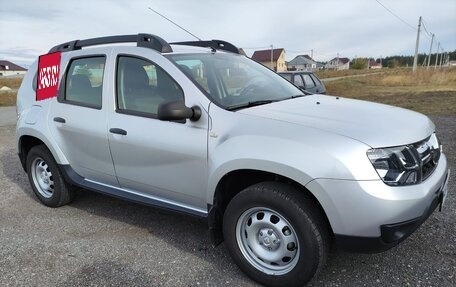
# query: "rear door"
x,y
77,120
163,159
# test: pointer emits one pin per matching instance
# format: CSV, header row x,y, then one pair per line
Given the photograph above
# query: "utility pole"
x,y
437,56
441,58
430,52
337,62
312,54
415,60
272,61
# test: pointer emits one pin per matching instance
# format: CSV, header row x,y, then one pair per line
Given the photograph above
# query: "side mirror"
x,y
177,111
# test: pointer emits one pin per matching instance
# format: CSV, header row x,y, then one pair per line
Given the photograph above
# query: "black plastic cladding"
x,y
143,40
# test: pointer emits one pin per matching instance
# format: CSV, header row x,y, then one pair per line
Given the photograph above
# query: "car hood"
x,y
376,125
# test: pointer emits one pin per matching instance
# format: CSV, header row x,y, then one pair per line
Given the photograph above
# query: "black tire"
x,y
285,206
46,179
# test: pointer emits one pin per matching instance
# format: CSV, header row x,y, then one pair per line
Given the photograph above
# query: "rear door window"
x,y
315,79
84,82
298,81
309,82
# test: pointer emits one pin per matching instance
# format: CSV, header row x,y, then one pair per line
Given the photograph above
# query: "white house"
x,y
8,69
338,64
302,63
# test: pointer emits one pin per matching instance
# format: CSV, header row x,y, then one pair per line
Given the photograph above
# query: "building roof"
x,y
11,66
341,60
302,60
308,57
374,63
265,55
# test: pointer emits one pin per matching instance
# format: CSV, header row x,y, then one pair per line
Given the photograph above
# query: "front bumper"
x,y
370,216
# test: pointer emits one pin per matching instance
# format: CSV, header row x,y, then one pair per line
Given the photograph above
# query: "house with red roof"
x,y
274,59
374,64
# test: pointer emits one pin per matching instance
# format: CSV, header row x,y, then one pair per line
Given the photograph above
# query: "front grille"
x,y
428,151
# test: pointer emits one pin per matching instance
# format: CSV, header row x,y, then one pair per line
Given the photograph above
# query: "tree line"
x,y
404,61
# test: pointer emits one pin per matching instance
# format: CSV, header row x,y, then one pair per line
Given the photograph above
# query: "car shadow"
x,y
188,234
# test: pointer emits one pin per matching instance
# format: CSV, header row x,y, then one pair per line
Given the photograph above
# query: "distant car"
x,y
305,80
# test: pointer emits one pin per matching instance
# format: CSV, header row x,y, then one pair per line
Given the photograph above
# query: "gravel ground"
x,y
102,241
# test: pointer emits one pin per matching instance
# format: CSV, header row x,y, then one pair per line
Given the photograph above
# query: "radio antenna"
x,y
174,23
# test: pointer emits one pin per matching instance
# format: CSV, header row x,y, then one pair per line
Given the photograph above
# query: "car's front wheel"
x,y
276,234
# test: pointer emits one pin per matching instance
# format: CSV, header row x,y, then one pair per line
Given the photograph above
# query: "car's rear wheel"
x,y
276,234
46,179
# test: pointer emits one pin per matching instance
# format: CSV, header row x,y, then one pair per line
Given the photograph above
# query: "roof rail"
x,y
215,44
142,40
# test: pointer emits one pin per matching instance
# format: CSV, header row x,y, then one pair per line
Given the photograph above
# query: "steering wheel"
x,y
251,87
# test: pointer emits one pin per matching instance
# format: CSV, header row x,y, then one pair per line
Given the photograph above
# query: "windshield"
x,y
234,81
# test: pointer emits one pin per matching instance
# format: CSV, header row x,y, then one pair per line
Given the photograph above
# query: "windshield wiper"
x,y
298,96
249,104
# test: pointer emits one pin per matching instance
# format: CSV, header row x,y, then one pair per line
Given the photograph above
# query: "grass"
x,y
432,92
8,98
323,74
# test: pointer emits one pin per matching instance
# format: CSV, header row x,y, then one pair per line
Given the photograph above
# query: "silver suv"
x,y
197,128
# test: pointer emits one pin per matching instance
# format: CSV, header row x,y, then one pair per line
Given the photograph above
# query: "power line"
x,y
429,34
395,15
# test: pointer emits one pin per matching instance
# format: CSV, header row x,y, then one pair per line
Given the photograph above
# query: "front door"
x,y
163,159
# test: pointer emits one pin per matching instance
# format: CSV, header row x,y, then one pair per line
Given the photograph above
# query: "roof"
x,y
11,66
308,57
295,72
265,55
143,40
373,63
301,60
341,60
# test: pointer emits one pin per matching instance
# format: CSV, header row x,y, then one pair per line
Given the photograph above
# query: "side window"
x,y
142,86
298,81
84,82
316,80
309,82
287,76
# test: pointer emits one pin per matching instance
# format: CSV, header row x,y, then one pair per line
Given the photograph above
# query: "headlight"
x,y
396,165
409,164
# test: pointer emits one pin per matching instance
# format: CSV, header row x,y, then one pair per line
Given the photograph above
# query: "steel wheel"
x,y
42,177
267,240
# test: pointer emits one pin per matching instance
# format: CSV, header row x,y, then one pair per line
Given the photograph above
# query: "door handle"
x,y
118,131
59,120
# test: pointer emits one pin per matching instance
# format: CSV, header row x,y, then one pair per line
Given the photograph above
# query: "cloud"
x,y
351,27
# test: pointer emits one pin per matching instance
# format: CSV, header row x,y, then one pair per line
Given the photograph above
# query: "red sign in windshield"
x,y
48,76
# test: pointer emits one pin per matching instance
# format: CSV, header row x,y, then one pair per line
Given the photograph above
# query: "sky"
x,y
348,28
